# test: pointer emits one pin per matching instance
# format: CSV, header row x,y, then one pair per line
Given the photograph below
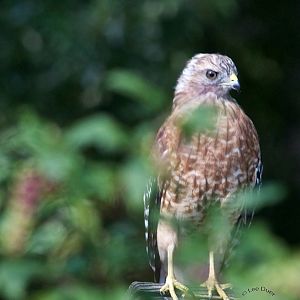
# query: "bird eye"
x,y
210,74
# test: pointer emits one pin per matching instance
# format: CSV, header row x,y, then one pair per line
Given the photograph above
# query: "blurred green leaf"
x,y
258,245
261,260
84,216
15,276
120,261
47,238
81,292
268,194
100,180
43,145
57,165
202,119
193,249
131,85
101,131
5,166
134,177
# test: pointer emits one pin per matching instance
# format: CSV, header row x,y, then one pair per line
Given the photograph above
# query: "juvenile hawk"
x,y
210,165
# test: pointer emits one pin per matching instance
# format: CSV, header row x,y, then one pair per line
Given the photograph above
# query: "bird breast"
x,y
209,165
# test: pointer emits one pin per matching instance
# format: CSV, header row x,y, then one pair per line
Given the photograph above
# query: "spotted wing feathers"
x,y
151,214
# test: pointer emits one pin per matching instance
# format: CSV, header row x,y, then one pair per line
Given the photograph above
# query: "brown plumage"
x,y
211,164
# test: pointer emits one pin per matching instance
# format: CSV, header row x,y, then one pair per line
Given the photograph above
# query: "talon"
x,y
212,284
172,284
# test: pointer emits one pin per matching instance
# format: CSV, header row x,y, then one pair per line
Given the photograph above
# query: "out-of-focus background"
x,y
84,85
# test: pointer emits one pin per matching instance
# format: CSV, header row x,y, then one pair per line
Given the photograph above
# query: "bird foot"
x,y
212,284
172,284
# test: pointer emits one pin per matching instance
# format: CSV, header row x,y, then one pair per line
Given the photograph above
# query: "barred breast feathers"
x,y
207,166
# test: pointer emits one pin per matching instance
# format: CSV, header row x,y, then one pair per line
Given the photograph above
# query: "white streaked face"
x,y
208,73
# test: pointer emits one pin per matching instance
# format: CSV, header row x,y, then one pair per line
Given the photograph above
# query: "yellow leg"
x,y
171,282
211,283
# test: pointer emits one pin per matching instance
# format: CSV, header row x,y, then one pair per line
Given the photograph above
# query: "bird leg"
x,y
211,283
171,282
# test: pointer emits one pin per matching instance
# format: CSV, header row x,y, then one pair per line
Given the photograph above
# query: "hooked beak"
x,y
234,82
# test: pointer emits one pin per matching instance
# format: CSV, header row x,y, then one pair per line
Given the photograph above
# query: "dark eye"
x,y
210,74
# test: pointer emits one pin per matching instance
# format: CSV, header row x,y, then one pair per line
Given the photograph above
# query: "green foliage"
x,y
80,292
56,233
100,131
16,274
84,87
131,85
269,264
202,119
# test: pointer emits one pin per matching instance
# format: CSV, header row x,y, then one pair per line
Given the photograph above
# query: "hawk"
x,y
210,165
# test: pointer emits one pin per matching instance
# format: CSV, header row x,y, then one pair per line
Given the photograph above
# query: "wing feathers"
x,y
151,213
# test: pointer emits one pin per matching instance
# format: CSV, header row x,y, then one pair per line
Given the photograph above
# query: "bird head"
x,y
208,73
